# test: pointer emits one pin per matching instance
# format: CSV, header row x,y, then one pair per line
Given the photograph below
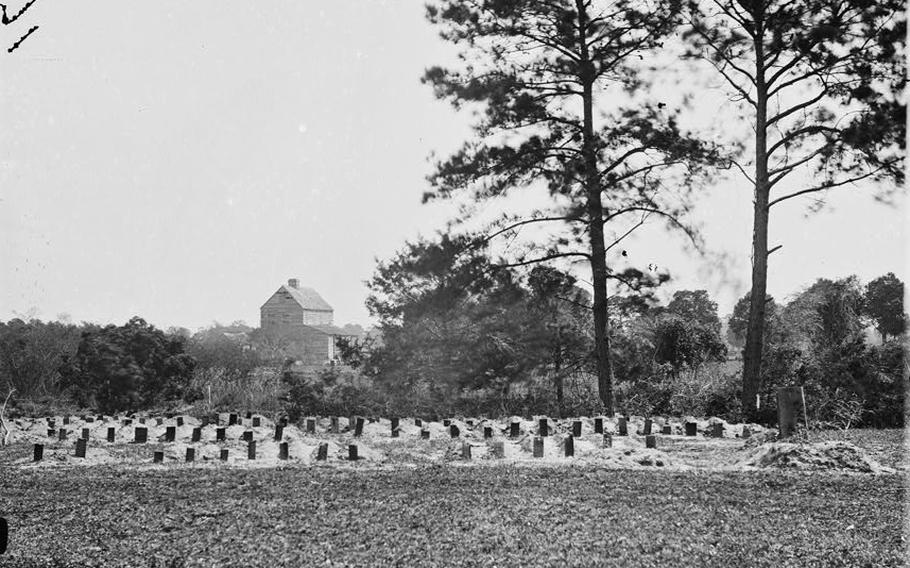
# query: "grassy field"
x,y
448,516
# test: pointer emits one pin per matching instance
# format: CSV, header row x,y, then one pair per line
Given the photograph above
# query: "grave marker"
x,y
85,433
334,425
142,420
668,430
127,421
283,451
249,415
598,425
180,421
543,429
51,432
454,431
279,432
170,433
576,428
232,419
717,430
111,433
487,432
248,436
570,446
789,401
418,422
394,427
197,435
691,428
190,454
647,427
424,434
650,441
352,452
158,457
223,455
257,422
310,425
322,453
746,432
514,429
623,426
62,434
81,444
38,452
159,421
251,450
538,447
499,449
466,451
608,440
220,434
66,420
358,429
446,422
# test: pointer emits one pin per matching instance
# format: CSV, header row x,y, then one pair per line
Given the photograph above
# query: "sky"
x,y
181,160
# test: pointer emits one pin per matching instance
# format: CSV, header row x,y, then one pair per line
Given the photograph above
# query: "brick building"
x,y
302,321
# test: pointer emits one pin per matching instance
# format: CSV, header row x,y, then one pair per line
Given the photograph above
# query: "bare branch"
x,y
544,259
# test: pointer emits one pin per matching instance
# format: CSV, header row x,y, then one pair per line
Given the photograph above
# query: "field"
x,y
584,511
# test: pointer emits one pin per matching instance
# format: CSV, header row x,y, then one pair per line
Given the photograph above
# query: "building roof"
x,y
308,298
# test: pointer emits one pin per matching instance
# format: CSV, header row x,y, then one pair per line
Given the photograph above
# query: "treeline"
x,y
458,334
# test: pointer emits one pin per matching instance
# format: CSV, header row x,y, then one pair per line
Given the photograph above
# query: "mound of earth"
x,y
823,456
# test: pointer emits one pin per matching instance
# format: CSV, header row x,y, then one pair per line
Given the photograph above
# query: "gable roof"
x,y
308,298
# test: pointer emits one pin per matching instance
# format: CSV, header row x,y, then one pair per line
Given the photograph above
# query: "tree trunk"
x,y
558,379
595,218
752,353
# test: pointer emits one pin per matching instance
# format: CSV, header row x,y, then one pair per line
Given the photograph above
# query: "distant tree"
x,y
884,303
31,353
739,320
127,367
221,347
695,306
682,342
541,73
822,84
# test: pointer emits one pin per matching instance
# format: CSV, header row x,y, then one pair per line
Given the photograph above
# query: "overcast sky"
x,y
181,160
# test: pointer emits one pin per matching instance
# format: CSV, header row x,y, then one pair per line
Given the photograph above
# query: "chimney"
x,y
293,282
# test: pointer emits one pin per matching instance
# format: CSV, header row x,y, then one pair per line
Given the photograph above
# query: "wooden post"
x,y
394,427
223,455
598,425
310,425
788,401
570,446
543,428
279,432
691,428
352,452
251,450
140,435
650,441
170,434
197,435
257,422
538,447
454,431
190,454
487,432
623,426
38,452
322,453
283,451
358,430
717,430
608,440
85,433
158,457
111,433
220,434
514,430
334,427
576,428
424,434
647,428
